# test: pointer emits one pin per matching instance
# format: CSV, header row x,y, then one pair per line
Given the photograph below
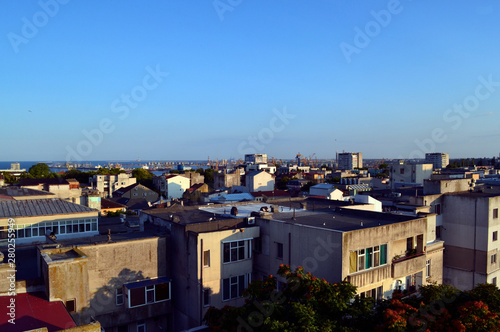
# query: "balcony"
x,y
370,276
408,265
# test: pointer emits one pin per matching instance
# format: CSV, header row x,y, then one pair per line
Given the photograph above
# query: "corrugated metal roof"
x,y
40,207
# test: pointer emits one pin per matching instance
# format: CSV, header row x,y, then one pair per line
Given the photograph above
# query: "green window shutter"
x,y
369,254
383,254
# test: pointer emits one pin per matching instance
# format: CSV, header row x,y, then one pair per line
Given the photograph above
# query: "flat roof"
x,y
341,219
40,207
33,311
15,191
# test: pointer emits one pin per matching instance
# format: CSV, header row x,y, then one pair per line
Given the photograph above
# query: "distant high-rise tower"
x,y
438,160
348,160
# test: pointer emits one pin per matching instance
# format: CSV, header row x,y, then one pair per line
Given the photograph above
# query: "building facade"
x,y
438,160
402,175
107,184
349,161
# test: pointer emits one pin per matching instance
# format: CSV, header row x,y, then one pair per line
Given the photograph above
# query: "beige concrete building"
x,y
227,180
349,161
123,283
213,260
171,186
107,184
402,175
259,181
376,252
69,189
471,225
438,160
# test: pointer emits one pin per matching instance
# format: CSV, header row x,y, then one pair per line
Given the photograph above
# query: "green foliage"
x,y
40,171
107,171
9,178
142,174
305,303
383,166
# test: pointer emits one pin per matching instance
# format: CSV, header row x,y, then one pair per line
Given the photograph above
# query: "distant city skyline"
x,y
88,81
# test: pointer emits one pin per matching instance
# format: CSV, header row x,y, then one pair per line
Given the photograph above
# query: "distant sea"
x,y
126,164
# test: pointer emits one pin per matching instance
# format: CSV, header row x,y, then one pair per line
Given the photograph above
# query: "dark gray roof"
x,y
18,191
40,207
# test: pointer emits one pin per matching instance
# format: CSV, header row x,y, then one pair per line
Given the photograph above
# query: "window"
x,y
493,258
437,209
233,287
428,268
279,250
495,213
119,296
206,258
494,281
495,235
237,250
141,326
206,297
401,171
367,258
148,291
70,305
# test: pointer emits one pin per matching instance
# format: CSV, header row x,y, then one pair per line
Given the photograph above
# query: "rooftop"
x,y
33,311
340,219
40,207
49,181
23,192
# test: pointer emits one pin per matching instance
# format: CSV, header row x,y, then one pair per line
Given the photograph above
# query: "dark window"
x,y
162,292
494,281
402,171
137,297
438,209
123,328
258,244
495,213
206,297
233,287
279,247
206,258
495,235
70,305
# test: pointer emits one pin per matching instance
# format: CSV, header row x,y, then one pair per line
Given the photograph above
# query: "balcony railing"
x,y
408,265
370,276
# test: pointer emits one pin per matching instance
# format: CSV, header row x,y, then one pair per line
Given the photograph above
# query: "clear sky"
x,y
178,79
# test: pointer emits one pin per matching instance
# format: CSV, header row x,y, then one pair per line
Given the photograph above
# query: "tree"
x,y
305,303
40,171
307,186
383,166
142,174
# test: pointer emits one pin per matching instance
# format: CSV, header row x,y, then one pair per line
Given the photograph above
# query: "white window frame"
x,y
119,296
141,324
247,248
247,280
146,296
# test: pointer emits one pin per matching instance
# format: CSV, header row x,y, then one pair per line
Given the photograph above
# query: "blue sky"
x,y
118,80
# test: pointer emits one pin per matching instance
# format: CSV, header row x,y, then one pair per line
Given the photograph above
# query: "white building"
x,y
259,181
171,186
256,158
402,175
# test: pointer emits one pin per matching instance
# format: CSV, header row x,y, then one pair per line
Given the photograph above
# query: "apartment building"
x,y
67,189
470,230
259,181
402,175
376,252
107,184
171,186
438,160
211,259
349,161
256,158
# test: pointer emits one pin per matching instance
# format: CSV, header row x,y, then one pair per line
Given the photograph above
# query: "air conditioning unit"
x,y
250,220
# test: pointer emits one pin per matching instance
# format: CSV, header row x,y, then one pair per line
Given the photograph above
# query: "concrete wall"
x,y
432,187
262,181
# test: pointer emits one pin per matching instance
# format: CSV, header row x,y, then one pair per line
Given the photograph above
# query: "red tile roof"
x,y
33,312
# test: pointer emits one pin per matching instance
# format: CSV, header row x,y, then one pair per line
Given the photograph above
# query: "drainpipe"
x,y
474,259
201,280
